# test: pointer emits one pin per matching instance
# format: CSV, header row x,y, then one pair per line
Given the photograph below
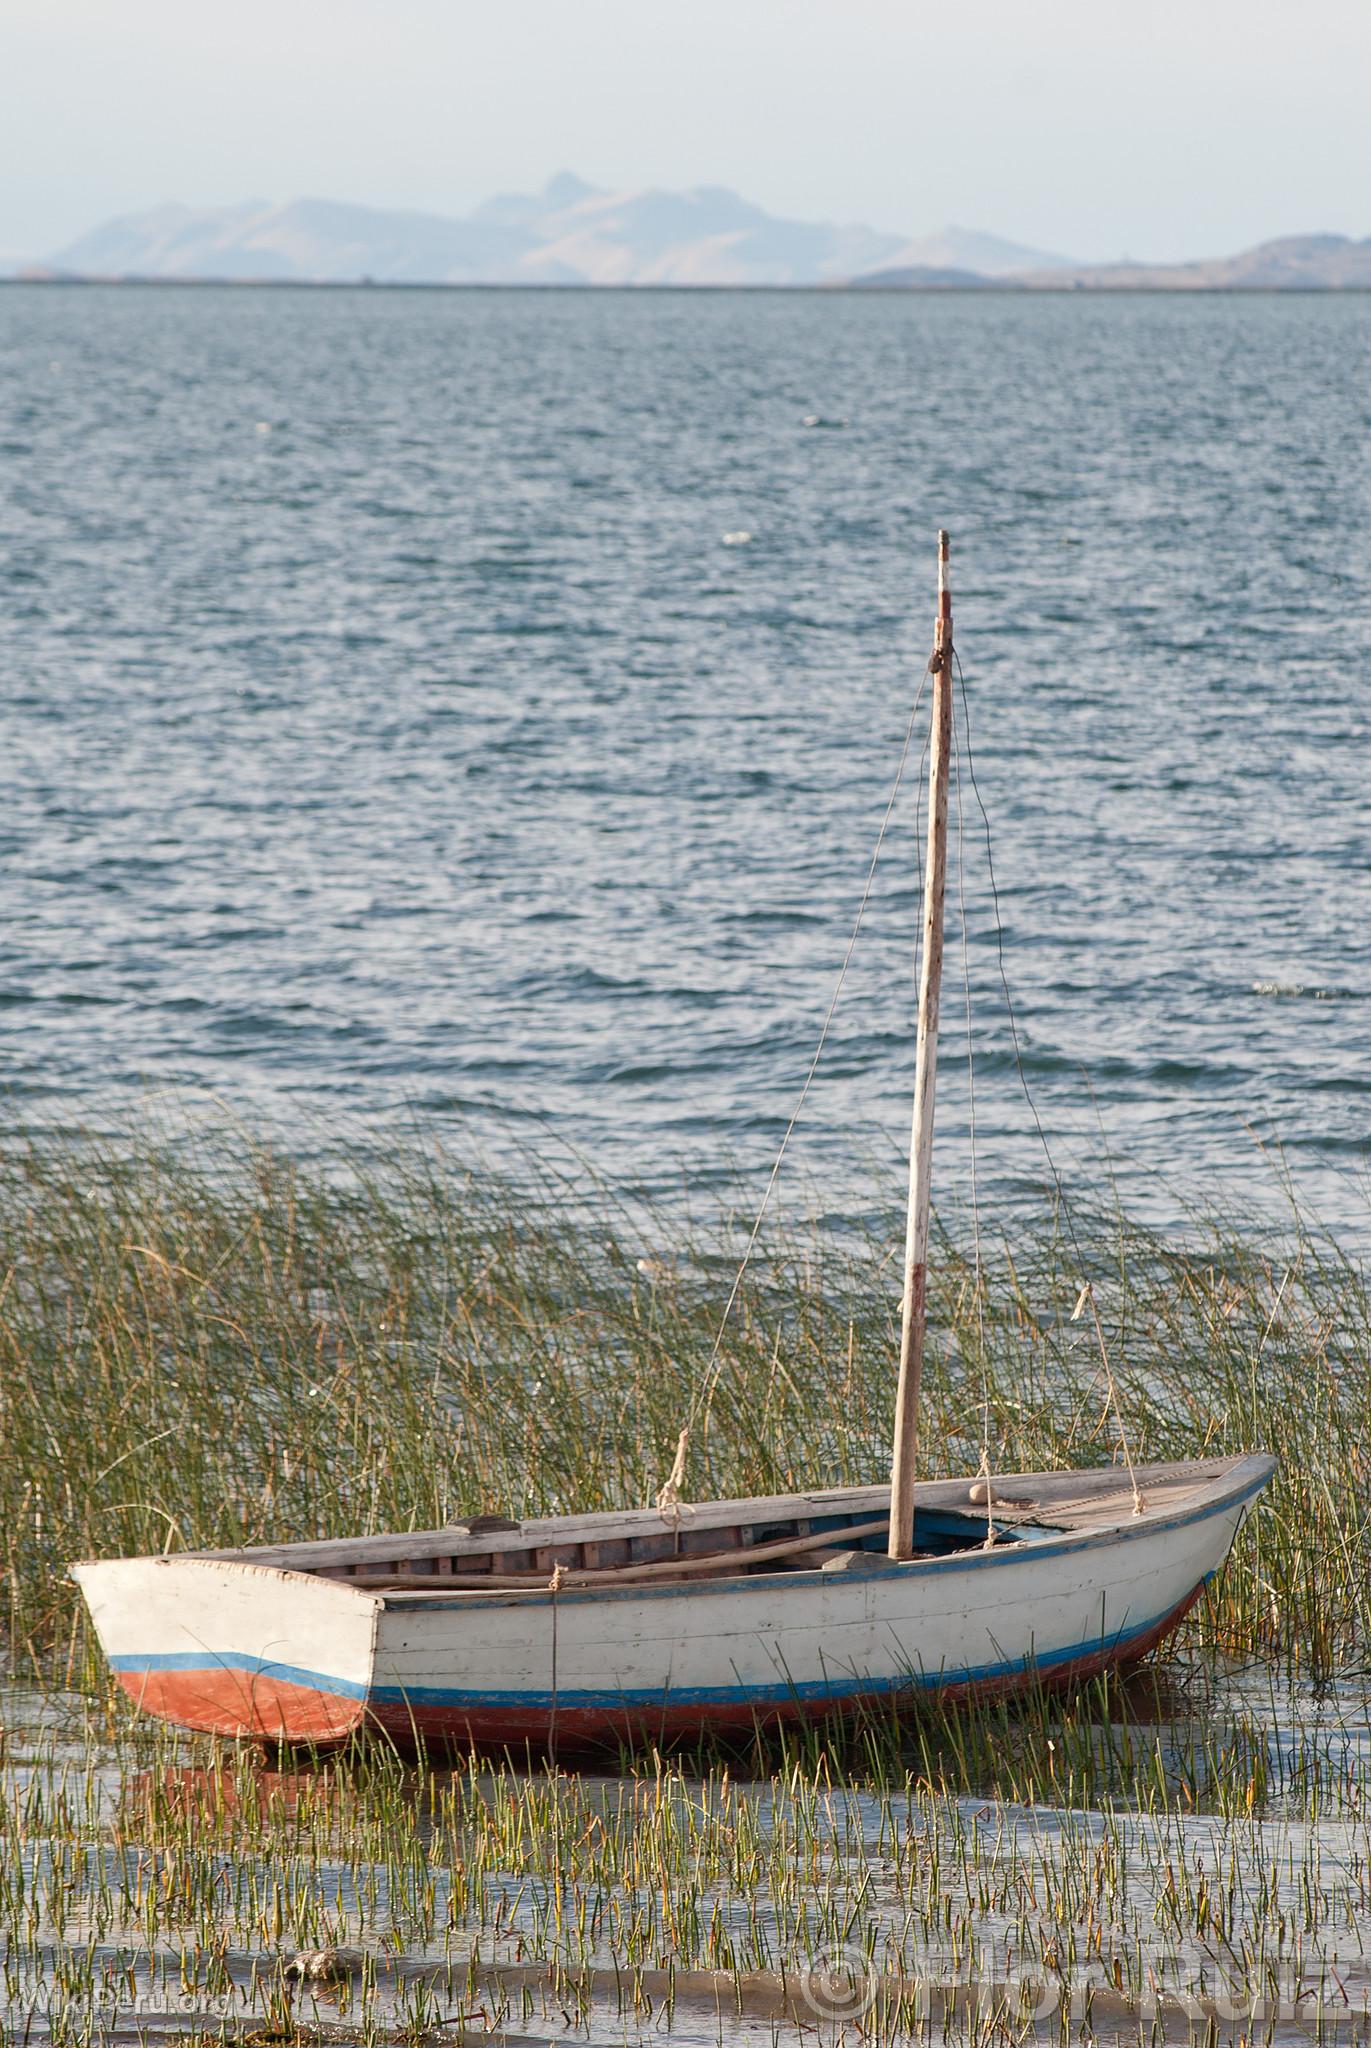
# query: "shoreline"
x,y
992,287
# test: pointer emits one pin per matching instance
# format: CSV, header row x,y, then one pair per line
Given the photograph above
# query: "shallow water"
x,y
155,1887
479,708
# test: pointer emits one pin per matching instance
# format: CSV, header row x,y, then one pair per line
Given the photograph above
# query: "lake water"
x,y
476,711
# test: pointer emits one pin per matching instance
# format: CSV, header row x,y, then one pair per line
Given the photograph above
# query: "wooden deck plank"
x,y
1053,1494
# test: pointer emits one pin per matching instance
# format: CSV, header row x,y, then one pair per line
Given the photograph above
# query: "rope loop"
x,y
669,1505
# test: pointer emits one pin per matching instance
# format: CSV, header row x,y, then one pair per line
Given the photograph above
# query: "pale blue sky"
x,y
1096,127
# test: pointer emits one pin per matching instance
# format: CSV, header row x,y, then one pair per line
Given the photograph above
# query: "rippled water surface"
x,y
155,1884
479,708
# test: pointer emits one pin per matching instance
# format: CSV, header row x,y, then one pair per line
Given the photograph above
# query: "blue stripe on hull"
x,y
851,1687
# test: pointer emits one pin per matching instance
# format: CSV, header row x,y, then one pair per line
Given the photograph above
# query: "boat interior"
x,y
842,1530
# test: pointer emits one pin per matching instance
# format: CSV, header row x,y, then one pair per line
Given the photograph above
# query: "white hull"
x,y
262,1643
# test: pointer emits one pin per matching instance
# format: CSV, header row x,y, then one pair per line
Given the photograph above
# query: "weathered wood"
x,y
640,1526
1057,1492
699,1564
913,1316
547,1557
242,1649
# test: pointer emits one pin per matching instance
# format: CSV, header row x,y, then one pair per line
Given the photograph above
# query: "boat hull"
x,y
421,1718
235,1648
656,1664
239,1649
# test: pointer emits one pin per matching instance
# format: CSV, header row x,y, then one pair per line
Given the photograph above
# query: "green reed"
x,y
235,1349
148,1864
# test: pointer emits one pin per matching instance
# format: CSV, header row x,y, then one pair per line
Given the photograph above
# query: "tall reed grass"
x,y
235,1349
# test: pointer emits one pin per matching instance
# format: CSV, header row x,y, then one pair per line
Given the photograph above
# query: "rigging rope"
x,y
986,1475
669,1497
1088,1291
669,1501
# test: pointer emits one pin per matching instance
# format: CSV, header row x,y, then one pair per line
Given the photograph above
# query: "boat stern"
x,y
235,1648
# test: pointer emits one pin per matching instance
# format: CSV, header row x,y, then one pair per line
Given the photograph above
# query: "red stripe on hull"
x,y
590,1728
243,1703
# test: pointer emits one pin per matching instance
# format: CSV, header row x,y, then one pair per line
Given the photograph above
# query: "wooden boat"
x,y
763,1610
662,1621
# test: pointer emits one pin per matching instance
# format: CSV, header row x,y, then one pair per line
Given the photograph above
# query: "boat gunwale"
x,y
1246,1484
354,1588
550,1531
1231,1481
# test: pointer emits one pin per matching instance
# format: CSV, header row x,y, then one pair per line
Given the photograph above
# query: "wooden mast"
x,y
914,1301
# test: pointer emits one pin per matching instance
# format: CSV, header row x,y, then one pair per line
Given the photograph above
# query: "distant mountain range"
x,y
1294,263
569,233
572,233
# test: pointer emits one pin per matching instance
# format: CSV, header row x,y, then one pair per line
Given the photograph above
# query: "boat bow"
x,y
234,1647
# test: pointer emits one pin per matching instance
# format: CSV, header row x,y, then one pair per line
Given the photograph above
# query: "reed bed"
x,y
205,1353
139,1872
229,1349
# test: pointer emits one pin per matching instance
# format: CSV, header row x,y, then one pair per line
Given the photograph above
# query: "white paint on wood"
x,y
966,1616
223,1612
982,1611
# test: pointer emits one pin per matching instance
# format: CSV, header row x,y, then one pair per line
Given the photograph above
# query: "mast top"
x,y
942,636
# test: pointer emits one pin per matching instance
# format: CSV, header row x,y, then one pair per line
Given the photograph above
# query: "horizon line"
x,y
1073,286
